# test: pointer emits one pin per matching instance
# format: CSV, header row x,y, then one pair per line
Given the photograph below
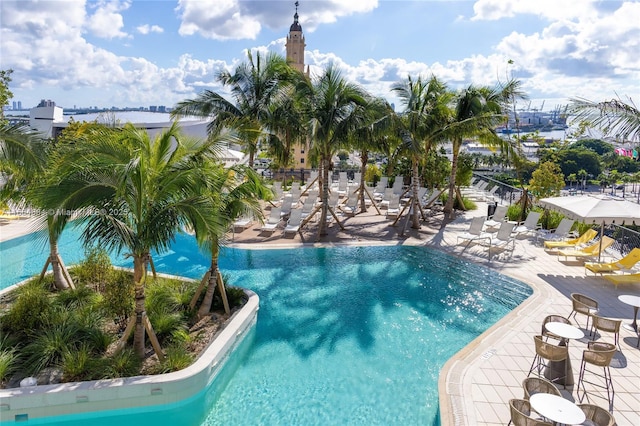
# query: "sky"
x,y
138,53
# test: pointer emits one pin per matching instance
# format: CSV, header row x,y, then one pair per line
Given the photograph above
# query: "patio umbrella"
x,y
595,209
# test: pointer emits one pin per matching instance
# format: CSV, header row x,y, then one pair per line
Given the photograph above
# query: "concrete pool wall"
x,y
21,404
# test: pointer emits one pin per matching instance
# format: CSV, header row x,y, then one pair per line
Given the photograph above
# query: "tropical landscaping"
x,y
133,194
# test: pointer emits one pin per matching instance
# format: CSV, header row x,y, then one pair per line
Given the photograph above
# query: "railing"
x,y
626,239
504,193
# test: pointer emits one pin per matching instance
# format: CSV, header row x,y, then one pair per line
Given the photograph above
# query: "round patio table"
x,y
635,302
556,369
557,409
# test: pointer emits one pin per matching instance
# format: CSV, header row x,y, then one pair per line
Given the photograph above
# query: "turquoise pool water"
x,y
344,335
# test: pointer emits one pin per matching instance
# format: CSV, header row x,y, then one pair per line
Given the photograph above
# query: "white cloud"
x,y
146,29
237,19
492,10
106,21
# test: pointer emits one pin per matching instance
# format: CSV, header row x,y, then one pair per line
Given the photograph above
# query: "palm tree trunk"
x,y
139,267
61,277
364,158
448,208
415,203
322,228
205,307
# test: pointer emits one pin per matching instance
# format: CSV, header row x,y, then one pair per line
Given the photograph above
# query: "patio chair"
x,y
593,250
530,224
623,279
583,239
533,385
293,224
546,353
350,208
559,233
274,219
608,325
475,231
597,354
584,305
553,318
598,416
497,217
623,264
393,209
503,237
242,223
520,410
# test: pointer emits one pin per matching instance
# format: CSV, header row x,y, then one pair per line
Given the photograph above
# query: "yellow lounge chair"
x,y
588,235
627,262
590,251
624,279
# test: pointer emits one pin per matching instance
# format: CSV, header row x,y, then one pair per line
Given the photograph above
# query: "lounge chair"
x,y
558,234
475,232
624,264
350,208
497,217
293,224
274,219
393,209
583,239
530,224
623,279
503,237
241,224
592,250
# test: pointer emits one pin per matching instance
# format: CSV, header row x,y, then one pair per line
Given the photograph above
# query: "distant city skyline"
x,y
128,53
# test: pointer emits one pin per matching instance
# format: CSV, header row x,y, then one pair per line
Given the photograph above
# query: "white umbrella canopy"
x,y
599,209
595,209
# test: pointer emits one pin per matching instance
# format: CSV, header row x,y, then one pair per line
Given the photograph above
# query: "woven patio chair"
x,y
597,415
585,305
533,385
609,325
521,414
547,353
553,318
598,354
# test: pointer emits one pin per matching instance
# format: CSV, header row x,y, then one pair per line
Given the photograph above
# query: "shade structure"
x,y
598,209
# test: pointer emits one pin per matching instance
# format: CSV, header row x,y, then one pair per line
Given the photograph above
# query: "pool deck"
x,y
471,393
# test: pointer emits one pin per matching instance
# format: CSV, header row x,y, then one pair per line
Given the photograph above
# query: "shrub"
x,y
80,364
49,345
177,357
118,297
95,269
514,212
30,307
122,364
9,358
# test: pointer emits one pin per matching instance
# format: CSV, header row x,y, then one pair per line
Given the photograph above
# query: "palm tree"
x,y
476,113
334,109
23,158
370,137
254,85
421,122
614,117
234,192
139,193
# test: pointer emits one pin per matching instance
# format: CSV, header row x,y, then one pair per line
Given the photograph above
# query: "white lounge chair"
x,y
498,216
272,222
293,224
350,208
242,223
475,232
393,209
558,234
503,237
529,225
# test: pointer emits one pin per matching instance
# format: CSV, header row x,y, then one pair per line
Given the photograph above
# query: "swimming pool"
x,y
351,335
